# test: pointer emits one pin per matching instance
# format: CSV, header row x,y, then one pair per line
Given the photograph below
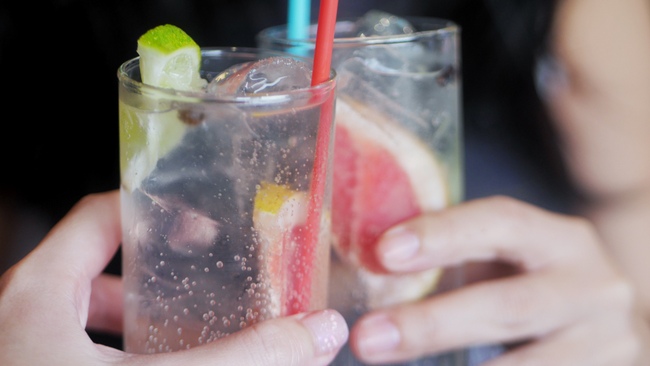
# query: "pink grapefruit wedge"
x,y
382,175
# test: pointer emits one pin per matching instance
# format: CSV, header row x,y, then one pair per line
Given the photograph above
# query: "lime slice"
x,y
169,58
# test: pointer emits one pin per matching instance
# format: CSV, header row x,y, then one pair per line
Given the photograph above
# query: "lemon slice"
x,y
169,58
278,209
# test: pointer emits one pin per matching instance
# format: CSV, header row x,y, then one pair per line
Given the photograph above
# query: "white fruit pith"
x,y
178,70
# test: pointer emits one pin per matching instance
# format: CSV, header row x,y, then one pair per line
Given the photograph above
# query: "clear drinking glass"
x,y
398,152
226,205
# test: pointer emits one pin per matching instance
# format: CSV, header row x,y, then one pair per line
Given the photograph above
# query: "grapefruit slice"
x,y
279,217
383,175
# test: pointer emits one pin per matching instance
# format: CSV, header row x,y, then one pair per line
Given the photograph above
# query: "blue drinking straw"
x,y
298,19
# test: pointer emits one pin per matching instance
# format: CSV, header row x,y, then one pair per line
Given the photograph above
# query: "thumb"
x,y
308,339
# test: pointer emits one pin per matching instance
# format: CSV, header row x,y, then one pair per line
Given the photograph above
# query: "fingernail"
x,y
397,247
329,330
377,334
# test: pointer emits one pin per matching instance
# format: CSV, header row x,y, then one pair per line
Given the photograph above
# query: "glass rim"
x,y
246,54
442,26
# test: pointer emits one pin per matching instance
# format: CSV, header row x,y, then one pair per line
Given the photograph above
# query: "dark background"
x,y
58,61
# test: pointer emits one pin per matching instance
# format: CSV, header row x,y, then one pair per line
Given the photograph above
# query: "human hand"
x,y
49,298
566,300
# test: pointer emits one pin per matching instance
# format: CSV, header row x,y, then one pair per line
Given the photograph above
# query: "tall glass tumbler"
x,y
398,152
225,200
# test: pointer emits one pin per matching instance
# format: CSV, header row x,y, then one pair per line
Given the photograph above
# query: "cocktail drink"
x,y
226,192
398,150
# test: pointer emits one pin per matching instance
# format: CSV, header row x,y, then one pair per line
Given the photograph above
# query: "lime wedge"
x,y
145,137
169,58
149,129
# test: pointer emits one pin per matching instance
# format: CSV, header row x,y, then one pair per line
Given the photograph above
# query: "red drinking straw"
x,y
302,282
324,41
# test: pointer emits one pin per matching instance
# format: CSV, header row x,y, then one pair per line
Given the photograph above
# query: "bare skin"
x,y
579,288
48,299
604,116
567,300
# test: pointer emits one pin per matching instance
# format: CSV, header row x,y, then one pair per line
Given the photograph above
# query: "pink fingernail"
x,y
398,247
377,334
329,330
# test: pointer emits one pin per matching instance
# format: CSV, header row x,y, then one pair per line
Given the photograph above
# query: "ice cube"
x,y
268,75
381,23
395,58
415,93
